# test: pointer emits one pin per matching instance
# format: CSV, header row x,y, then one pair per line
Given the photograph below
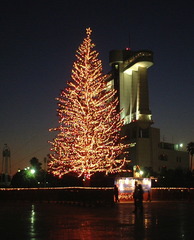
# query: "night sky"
x,y
37,50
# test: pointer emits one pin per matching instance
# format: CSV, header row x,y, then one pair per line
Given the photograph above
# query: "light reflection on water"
x,y
32,221
49,221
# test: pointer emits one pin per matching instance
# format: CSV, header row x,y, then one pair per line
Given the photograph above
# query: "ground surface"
x,y
51,221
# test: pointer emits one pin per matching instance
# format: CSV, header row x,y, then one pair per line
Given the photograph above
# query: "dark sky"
x,y
37,48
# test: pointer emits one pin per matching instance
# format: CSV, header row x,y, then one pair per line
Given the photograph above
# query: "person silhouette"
x,y
139,197
116,193
135,196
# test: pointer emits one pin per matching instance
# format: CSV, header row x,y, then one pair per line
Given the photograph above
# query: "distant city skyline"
x,y
38,43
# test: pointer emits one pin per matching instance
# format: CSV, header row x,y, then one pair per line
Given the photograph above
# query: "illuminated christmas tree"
x,y
88,138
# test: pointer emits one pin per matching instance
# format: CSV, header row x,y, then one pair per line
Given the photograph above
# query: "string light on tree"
x,y
88,136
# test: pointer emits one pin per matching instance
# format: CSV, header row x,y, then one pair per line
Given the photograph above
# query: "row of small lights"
x,y
32,170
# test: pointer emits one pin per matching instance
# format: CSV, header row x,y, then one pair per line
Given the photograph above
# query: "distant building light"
x,y
32,171
141,172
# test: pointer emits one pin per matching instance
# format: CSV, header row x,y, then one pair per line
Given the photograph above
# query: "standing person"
x,y
116,193
135,196
139,200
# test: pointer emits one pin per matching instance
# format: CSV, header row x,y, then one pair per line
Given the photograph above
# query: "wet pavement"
x,y
51,221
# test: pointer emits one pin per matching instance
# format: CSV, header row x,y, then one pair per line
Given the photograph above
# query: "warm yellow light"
x,y
126,180
144,64
141,172
121,188
88,137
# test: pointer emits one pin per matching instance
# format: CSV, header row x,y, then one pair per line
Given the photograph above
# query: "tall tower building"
x,y
129,71
6,165
6,162
129,76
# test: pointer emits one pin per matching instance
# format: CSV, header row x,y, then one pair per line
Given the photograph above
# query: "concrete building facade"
x,y
129,76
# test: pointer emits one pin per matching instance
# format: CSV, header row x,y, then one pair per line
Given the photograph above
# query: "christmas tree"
x,y
88,137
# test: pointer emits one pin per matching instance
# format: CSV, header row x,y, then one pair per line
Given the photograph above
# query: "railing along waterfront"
x,y
74,195
89,195
172,193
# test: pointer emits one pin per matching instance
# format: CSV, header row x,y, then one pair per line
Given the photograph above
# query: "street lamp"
x,y
141,172
32,171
